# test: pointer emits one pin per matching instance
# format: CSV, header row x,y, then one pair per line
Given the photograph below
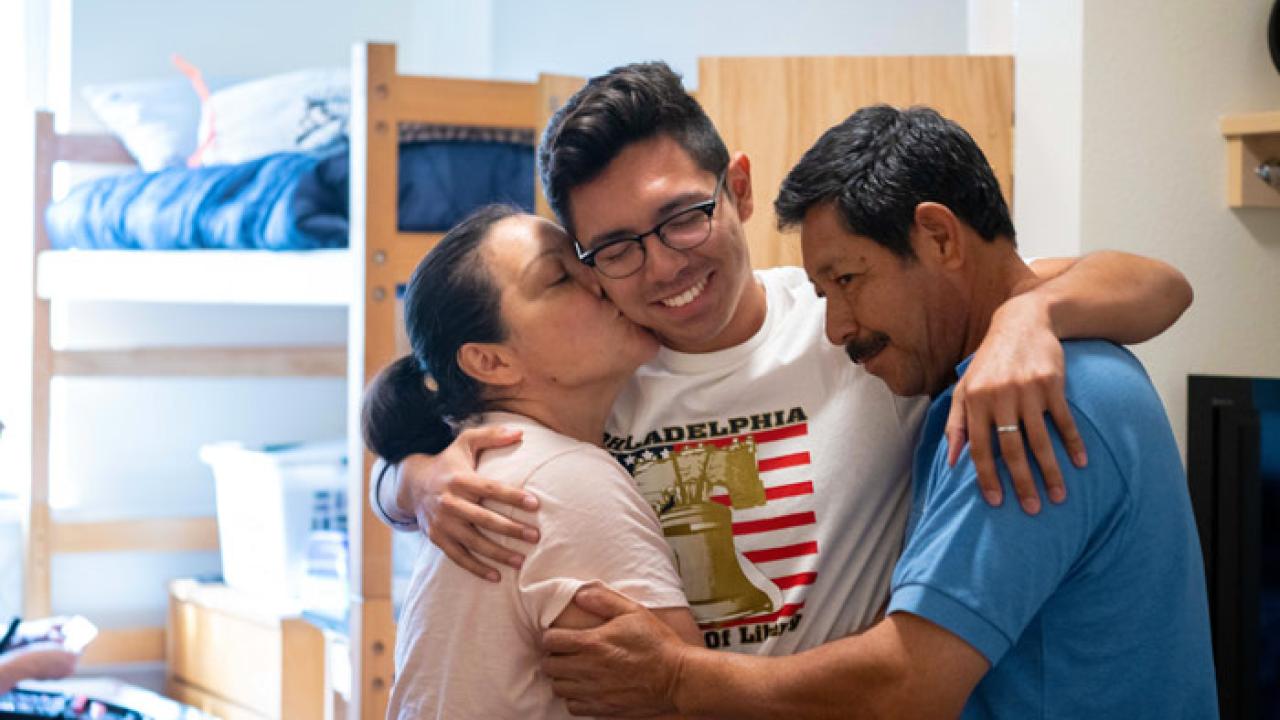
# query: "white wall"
x,y
450,37
1118,147
113,40
1046,144
1158,74
991,26
587,37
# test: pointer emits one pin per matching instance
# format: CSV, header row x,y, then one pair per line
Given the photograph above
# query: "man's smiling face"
x,y
687,297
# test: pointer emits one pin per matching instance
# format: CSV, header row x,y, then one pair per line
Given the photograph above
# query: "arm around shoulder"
x,y
441,495
1113,295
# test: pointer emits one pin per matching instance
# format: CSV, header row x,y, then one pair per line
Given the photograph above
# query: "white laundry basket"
x,y
268,501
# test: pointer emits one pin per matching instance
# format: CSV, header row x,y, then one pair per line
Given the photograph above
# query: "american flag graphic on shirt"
x,y
735,500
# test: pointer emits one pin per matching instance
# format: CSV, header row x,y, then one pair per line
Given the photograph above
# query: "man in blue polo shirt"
x,y
1094,609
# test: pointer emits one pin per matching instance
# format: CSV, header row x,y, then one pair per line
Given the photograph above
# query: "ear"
x,y
490,364
738,180
936,235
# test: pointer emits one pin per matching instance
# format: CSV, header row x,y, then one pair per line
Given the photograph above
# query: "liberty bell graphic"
x,y
699,530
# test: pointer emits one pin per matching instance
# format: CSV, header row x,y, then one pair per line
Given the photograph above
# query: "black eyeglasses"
x,y
685,230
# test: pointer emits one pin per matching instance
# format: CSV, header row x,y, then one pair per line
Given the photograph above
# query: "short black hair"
x,y
625,105
881,162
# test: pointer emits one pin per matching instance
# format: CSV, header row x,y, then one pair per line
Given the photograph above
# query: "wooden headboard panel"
x,y
773,109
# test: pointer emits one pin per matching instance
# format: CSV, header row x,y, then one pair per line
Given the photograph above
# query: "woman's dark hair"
x,y
451,300
882,162
625,105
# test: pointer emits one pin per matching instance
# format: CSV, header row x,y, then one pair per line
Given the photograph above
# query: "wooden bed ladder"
x,y
44,536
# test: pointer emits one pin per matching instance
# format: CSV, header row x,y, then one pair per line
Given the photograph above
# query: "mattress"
x,y
286,201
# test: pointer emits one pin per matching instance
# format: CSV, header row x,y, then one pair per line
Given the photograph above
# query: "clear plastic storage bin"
x,y
267,500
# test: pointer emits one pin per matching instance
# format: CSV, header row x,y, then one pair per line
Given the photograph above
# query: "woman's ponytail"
x,y
401,415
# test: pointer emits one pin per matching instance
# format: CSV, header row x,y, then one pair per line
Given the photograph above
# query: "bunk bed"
x,y
362,278
977,91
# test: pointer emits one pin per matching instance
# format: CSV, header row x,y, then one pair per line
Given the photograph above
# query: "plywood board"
x,y
773,109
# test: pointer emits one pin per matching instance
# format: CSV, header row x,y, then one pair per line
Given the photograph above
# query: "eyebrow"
x,y
537,260
664,211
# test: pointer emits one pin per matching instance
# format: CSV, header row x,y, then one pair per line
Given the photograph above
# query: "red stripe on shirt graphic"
x,y
737,510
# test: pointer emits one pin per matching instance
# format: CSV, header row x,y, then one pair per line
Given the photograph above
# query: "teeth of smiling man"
x,y
687,296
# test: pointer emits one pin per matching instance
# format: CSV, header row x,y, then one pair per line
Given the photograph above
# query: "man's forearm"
x,y
716,685
1117,296
865,676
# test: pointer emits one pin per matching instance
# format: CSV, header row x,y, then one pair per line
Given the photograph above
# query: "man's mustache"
x,y
860,349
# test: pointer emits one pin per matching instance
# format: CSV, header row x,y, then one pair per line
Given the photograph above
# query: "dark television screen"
x,y
1269,561
1233,467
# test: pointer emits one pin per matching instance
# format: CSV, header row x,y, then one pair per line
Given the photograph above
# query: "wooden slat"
x,y
133,645
372,322
371,621
38,595
147,535
451,101
1251,124
372,340
207,702
773,109
219,361
303,691
401,258
1236,172
417,244
84,148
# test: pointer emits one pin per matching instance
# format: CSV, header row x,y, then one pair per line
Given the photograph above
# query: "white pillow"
x,y
156,120
295,111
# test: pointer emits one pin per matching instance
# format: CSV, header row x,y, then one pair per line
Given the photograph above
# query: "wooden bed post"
x,y
37,586
371,345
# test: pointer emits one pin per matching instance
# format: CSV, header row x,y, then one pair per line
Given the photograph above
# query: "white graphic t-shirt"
x,y
780,473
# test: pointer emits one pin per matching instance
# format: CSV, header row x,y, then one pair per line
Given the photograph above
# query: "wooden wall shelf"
x,y
1251,140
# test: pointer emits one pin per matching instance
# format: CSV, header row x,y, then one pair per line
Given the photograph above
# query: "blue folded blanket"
x,y
287,201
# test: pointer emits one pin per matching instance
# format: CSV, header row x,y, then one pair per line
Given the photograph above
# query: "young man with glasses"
x,y
778,469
